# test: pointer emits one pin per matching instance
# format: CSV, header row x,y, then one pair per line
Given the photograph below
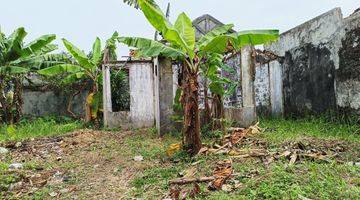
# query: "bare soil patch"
x,y
83,163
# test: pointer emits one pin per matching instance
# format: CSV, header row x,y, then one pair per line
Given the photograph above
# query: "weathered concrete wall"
x,y
262,95
321,66
309,67
262,89
141,94
121,119
316,31
276,89
44,102
308,80
142,102
348,72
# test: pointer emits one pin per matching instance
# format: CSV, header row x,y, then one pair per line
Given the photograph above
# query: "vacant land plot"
x,y
289,159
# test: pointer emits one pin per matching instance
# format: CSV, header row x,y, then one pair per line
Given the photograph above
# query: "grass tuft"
x,y
40,127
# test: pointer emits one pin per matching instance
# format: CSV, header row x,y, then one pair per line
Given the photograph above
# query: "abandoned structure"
x,y
318,70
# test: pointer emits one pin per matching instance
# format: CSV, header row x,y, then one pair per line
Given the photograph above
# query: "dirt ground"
x,y
77,165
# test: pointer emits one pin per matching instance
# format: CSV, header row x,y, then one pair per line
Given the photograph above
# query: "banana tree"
x,y
218,86
84,68
181,45
16,60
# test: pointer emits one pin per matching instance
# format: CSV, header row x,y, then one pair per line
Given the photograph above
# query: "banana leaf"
x,y
60,69
13,70
151,48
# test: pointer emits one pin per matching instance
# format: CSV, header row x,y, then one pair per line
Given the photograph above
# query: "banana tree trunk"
x,y
17,100
191,130
11,105
88,107
88,104
4,117
217,112
207,111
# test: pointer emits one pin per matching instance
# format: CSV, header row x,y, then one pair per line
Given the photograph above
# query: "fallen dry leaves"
x,y
240,144
173,148
222,172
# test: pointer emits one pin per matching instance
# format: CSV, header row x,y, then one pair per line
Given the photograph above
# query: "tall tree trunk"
x,y
191,130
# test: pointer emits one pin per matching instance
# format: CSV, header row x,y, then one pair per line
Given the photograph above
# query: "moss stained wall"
x,y
308,80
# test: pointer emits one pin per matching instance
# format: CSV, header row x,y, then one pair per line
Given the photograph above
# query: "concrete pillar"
x,y
248,91
276,92
107,104
175,69
156,93
166,95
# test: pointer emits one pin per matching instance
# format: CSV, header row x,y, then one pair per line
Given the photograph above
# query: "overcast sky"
x,y
80,21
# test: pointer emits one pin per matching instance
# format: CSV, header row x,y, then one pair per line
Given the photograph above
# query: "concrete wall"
x,y
348,71
39,101
45,103
262,84
141,94
262,89
320,70
276,89
234,100
142,102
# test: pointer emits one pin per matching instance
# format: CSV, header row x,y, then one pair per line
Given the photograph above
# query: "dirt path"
x,y
83,164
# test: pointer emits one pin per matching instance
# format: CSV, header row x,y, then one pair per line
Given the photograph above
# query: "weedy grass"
x,y
40,127
307,180
278,130
279,180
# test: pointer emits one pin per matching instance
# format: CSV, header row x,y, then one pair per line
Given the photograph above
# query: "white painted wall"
x,y
141,94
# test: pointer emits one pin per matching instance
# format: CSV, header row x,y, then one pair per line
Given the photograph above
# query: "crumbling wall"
x,y
261,84
234,100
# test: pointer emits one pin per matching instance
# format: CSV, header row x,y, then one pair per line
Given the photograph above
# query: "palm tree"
x,y
181,45
16,60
